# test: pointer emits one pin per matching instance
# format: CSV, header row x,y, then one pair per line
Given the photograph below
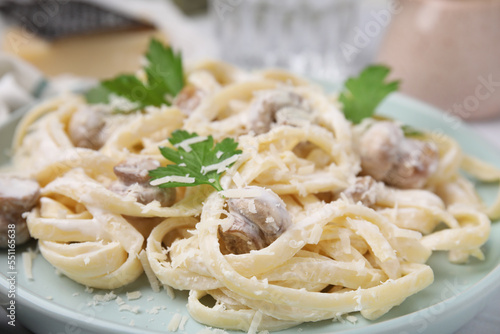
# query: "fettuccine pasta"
x,y
334,237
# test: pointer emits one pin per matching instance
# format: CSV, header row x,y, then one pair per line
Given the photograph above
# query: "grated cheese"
x,y
126,307
153,280
238,180
173,325
27,264
183,322
154,310
220,166
173,178
97,299
251,206
119,301
186,144
315,234
352,319
257,318
170,291
134,295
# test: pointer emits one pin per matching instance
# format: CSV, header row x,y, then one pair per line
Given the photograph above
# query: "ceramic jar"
x,y
447,53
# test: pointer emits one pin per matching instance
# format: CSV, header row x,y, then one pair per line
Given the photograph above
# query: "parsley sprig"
x,y
196,157
165,79
363,94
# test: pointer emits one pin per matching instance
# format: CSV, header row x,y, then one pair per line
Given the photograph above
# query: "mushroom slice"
x,y
363,190
379,149
401,162
265,108
17,196
257,222
188,99
417,160
135,170
86,127
133,179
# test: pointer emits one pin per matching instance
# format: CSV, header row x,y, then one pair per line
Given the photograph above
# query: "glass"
x,y
303,36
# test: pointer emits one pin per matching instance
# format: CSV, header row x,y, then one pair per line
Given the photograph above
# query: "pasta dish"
x,y
315,217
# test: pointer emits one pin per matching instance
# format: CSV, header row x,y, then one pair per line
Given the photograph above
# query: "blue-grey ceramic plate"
x,y
55,304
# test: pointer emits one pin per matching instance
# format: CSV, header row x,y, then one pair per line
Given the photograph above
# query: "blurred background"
x,y
55,45
445,51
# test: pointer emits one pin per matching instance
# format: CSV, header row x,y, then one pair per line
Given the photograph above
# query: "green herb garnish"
x,y
197,161
410,131
165,79
363,94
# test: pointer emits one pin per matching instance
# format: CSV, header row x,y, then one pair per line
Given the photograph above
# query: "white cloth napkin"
x,y
19,82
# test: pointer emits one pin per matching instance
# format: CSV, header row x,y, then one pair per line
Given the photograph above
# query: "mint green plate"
x,y
54,304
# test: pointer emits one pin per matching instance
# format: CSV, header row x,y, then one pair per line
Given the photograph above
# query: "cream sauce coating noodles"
x,y
336,256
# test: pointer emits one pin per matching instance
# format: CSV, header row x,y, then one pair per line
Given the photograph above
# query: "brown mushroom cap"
x,y
363,190
379,149
264,108
135,170
17,195
85,128
257,222
133,178
388,156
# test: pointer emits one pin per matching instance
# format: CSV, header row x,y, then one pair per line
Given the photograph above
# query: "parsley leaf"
x,y
363,94
131,88
164,70
195,157
165,79
98,94
410,131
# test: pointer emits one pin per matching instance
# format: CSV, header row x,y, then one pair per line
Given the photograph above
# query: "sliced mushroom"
x,y
242,237
257,222
188,99
417,160
86,126
363,190
135,170
291,108
388,156
379,148
17,196
133,179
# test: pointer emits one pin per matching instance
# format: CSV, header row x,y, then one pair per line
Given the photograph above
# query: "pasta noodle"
x,y
338,254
